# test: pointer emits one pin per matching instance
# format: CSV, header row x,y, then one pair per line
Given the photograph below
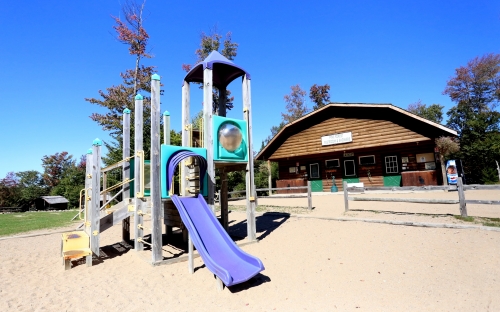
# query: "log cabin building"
x,y
372,144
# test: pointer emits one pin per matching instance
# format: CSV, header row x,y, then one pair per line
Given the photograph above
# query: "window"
x,y
367,160
314,168
349,168
332,163
391,164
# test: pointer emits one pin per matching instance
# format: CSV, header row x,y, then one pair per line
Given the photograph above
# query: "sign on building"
x,y
337,138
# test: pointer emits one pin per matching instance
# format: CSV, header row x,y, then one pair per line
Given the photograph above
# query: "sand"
x,y
311,264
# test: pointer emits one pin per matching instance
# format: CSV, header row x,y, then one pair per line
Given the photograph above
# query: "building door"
x,y
349,171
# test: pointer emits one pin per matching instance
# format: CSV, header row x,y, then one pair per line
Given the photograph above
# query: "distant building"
x,y
373,144
51,203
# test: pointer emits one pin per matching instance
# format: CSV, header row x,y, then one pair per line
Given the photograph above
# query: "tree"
x,y
212,42
319,95
72,181
132,33
31,187
295,104
117,98
432,112
9,190
54,167
446,146
476,90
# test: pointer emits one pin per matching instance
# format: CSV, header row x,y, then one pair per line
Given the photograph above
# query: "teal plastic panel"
x,y
317,186
220,153
166,153
350,180
392,180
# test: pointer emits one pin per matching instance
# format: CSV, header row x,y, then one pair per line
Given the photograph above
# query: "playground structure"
x,y
227,146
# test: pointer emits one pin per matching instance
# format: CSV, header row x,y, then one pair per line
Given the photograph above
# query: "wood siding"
x,y
376,171
366,133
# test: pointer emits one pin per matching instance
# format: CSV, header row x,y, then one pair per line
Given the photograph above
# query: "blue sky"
x,y
56,53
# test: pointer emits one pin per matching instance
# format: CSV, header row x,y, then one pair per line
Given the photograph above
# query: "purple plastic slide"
x,y
220,254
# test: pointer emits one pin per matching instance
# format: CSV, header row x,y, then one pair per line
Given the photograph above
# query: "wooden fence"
x,y
308,195
460,188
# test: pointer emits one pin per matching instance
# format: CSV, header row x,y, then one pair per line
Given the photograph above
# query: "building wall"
x,y
370,174
366,133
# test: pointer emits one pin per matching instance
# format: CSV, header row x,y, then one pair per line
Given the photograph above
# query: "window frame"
x,y
329,167
310,171
373,163
396,162
354,166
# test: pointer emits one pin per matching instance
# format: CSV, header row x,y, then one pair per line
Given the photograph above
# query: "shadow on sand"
x,y
266,224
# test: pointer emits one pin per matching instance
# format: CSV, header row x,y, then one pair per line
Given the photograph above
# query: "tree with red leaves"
x,y
54,167
319,95
117,98
132,33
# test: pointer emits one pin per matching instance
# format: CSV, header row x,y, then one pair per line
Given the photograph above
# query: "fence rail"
x,y
308,195
11,209
459,187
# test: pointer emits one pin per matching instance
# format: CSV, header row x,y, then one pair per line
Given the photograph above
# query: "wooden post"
x,y
461,197
138,146
104,194
269,178
309,195
95,214
155,193
222,102
247,113
183,183
207,130
126,173
346,194
223,202
88,201
498,169
166,128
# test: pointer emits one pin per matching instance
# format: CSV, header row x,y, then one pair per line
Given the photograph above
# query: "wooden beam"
x,y
406,200
95,213
186,131
155,191
309,195
88,200
481,187
346,199
223,200
166,128
207,133
482,202
126,172
138,146
269,178
250,187
461,197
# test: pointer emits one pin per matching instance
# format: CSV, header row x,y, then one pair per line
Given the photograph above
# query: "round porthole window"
x,y
230,137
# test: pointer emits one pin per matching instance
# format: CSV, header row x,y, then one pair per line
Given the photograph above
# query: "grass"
x,y
495,222
15,223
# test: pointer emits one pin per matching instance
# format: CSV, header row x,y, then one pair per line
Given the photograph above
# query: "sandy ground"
x,y
311,264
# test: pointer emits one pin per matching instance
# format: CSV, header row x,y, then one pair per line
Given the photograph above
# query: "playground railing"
x,y
459,187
